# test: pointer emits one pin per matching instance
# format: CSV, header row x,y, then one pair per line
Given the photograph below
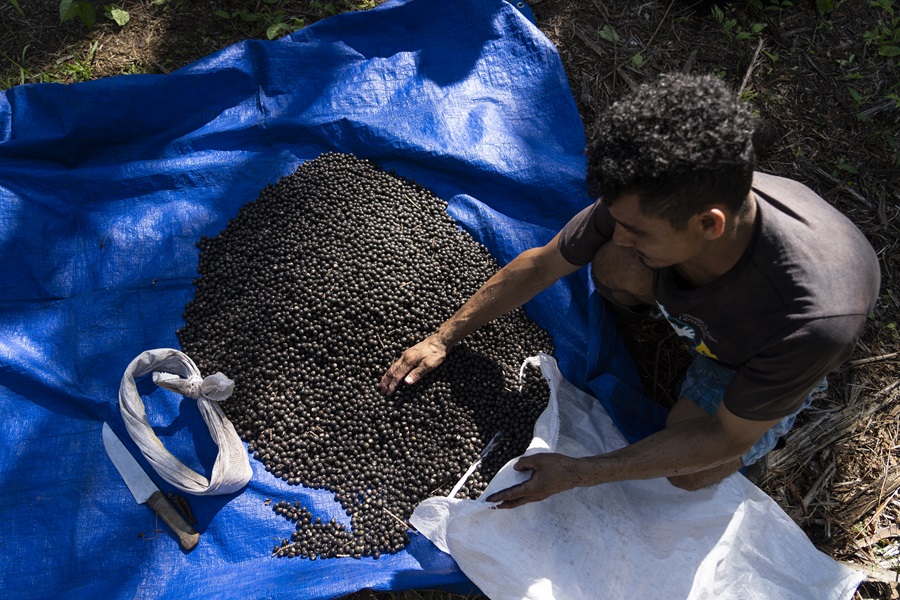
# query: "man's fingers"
x,y
515,496
526,463
397,373
412,366
417,373
500,496
526,492
513,503
388,385
510,493
390,381
514,491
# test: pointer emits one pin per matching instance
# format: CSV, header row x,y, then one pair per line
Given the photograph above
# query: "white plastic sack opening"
x,y
634,539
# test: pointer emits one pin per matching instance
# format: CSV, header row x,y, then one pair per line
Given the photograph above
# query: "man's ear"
x,y
712,223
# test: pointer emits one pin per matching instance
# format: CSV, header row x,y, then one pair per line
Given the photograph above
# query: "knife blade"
x,y
145,491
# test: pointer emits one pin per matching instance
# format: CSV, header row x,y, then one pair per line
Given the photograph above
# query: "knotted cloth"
x,y
176,371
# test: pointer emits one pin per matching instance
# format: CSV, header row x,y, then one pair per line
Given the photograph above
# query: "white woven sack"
x,y
632,539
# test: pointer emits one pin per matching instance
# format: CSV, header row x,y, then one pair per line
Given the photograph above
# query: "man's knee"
x,y
687,410
693,481
618,270
702,479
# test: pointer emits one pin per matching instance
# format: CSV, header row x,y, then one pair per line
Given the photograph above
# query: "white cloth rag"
x,y
632,539
175,371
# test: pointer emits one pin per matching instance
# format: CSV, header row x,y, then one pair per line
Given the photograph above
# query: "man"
x,y
767,284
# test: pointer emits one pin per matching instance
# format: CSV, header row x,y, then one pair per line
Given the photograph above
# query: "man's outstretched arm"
x,y
512,286
686,447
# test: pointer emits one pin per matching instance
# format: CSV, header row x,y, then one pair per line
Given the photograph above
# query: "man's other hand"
x,y
422,358
551,473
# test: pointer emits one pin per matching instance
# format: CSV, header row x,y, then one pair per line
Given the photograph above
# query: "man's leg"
x,y
685,410
704,386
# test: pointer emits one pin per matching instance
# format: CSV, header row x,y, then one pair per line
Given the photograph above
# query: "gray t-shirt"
x,y
788,313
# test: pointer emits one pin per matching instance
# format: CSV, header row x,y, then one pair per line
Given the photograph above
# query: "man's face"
x,y
655,241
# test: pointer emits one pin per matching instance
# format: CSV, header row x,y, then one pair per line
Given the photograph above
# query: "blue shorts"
x,y
704,385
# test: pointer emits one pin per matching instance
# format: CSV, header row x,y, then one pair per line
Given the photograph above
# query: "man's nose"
x,y
622,237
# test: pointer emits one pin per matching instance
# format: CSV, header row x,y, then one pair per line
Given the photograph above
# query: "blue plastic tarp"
x,y
105,188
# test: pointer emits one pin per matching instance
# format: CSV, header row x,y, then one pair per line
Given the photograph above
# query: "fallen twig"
x,y
818,485
689,63
404,523
750,68
880,534
871,359
583,36
874,573
842,185
661,21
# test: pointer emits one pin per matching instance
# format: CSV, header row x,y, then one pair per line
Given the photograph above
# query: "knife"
x,y
144,490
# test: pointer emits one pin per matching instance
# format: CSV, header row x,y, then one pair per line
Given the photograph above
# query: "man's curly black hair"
x,y
682,144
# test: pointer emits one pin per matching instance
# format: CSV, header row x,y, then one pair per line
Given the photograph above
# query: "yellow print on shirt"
x,y
704,350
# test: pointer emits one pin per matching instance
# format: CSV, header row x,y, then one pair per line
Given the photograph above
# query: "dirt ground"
x,y
821,74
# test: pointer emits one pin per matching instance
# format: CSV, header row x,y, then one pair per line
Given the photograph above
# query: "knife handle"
x,y
187,537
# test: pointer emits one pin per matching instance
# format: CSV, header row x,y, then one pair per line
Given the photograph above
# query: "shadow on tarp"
x,y
105,188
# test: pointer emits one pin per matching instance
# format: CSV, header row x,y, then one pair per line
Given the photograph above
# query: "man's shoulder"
x,y
813,254
795,199
792,204
777,185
